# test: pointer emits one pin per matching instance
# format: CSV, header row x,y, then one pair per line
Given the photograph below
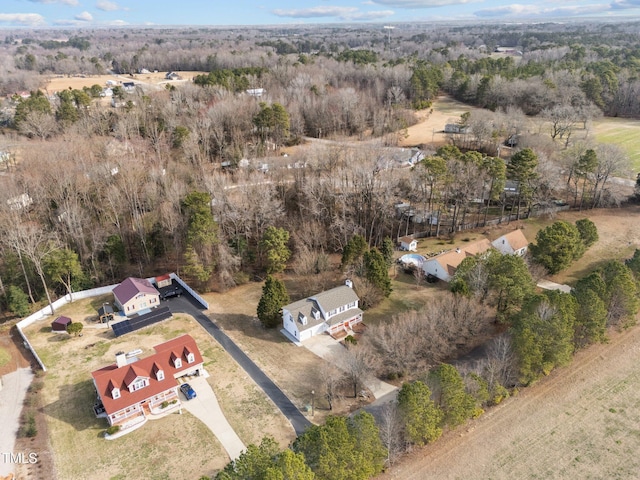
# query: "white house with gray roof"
x,y
333,311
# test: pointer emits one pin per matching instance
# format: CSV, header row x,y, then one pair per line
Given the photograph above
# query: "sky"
x,y
96,13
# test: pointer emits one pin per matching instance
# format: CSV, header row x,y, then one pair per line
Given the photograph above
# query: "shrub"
x,y
164,404
113,429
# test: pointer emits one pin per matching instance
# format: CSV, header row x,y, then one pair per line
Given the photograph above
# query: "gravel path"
x,y
12,394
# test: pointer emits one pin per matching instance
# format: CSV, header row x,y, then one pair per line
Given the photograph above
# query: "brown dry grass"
x,y
55,84
78,448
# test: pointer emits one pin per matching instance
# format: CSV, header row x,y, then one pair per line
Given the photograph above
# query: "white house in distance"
x,y
408,244
513,243
333,311
444,266
133,390
135,294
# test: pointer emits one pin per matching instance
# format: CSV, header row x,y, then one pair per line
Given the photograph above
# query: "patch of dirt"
x,y
430,127
56,84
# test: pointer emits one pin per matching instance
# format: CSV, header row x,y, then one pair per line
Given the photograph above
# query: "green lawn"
x,y
623,132
4,357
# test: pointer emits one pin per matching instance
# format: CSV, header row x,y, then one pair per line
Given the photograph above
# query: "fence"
x,y
94,292
198,298
46,312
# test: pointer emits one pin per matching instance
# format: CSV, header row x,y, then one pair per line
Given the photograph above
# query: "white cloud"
x,y
118,23
368,15
343,13
519,10
72,3
25,19
107,6
84,17
422,3
315,12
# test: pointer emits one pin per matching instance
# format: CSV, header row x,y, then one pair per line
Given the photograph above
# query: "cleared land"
x,y
76,435
623,132
55,84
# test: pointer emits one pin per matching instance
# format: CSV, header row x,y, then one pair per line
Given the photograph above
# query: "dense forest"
x,y
282,156
154,185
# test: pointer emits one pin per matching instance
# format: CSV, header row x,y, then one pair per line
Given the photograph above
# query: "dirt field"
x,y
55,84
429,130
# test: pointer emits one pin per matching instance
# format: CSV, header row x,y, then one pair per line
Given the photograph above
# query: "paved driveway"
x,y
205,407
328,348
14,389
187,304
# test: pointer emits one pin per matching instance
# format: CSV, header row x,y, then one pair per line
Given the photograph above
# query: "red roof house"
x,y
132,391
135,294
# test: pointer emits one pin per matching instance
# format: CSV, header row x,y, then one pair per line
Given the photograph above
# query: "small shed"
x,y
163,281
105,313
60,324
408,244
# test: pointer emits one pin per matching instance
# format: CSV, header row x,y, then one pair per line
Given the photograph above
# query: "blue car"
x,y
187,391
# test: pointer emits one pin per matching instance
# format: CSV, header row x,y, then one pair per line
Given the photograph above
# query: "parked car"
x,y
172,292
187,391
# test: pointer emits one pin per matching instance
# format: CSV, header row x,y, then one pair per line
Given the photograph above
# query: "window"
x,y
160,375
139,384
191,358
115,393
177,363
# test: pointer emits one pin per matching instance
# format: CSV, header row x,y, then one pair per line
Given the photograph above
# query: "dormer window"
x,y
160,375
138,384
115,393
177,362
191,357
302,318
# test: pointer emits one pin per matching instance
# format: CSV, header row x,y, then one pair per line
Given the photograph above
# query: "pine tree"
x,y
377,271
274,297
422,417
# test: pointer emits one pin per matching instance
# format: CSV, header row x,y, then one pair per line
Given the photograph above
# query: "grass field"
x,y
623,132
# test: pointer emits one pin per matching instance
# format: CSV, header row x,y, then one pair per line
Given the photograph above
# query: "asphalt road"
x,y
187,304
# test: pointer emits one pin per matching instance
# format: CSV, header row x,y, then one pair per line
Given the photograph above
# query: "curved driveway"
x,y
186,304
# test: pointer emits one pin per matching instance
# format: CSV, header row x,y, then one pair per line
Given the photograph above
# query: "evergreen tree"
x,y
274,297
557,246
387,250
354,250
621,297
377,271
422,417
343,448
588,231
448,391
253,463
17,301
543,334
275,249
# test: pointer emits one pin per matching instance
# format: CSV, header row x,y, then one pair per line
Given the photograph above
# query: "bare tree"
x,y
392,432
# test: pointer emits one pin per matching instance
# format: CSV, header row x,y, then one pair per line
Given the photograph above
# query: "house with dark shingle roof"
x,y
135,294
132,390
333,311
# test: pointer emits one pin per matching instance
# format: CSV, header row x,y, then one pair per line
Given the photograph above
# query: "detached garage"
x,y
60,324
